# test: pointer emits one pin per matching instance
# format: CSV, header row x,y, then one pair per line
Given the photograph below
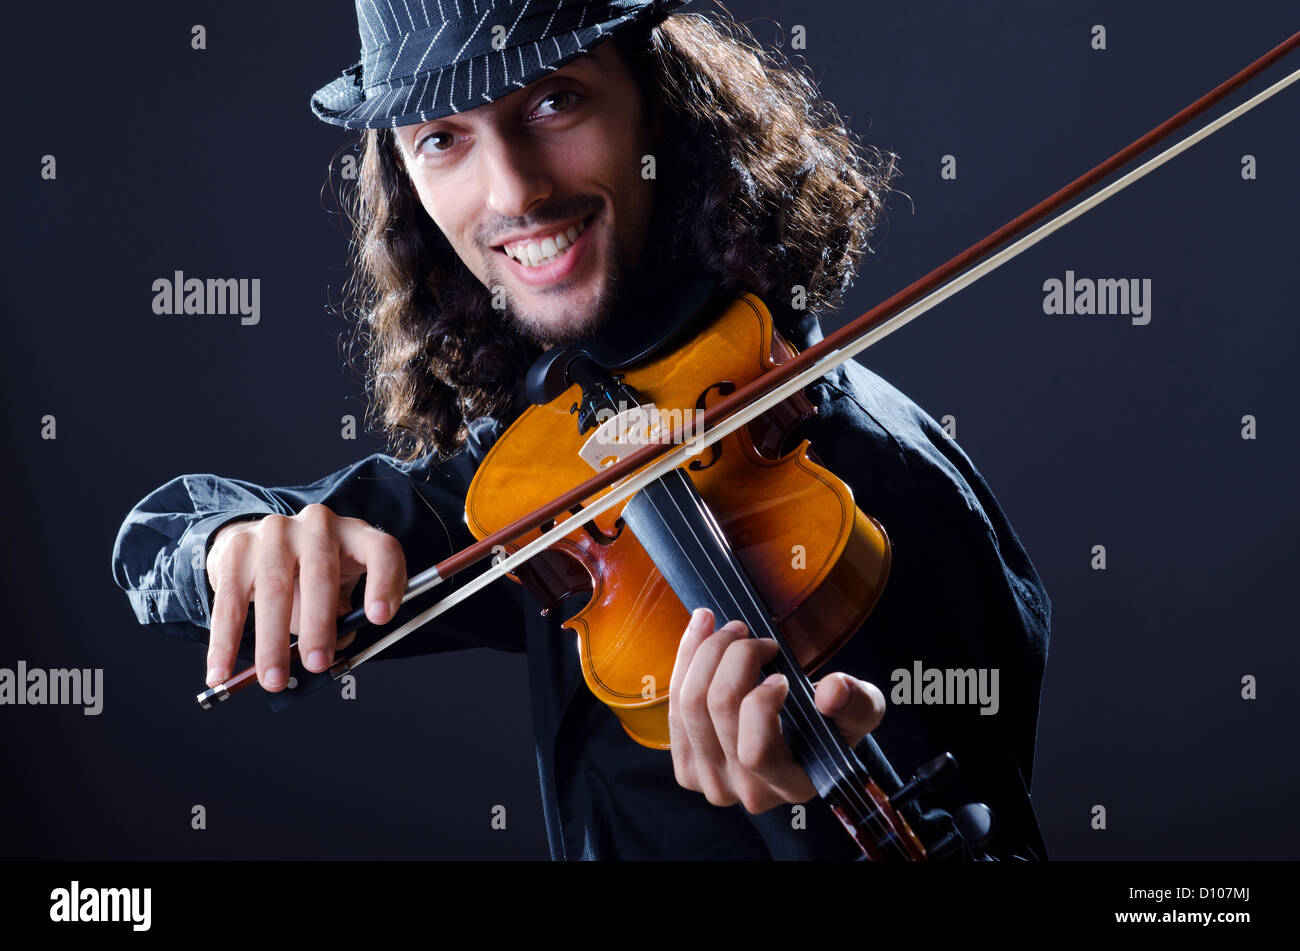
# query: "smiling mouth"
x,y
549,248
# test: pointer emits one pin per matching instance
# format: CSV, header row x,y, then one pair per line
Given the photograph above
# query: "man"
x,y
536,174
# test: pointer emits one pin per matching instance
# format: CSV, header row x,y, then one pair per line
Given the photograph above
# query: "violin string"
x,y
801,691
722,590
814,727
804,707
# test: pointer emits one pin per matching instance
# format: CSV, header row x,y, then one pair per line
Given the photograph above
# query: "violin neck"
x,y
674,524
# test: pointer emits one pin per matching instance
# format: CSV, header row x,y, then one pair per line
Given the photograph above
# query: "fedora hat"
x,y
425,59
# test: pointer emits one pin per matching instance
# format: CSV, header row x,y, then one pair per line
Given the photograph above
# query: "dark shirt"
x,y
962,593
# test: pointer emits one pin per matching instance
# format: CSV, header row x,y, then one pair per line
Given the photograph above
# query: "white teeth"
x,y
550,248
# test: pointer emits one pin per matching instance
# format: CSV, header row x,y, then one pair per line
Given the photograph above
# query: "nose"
x,y
516,179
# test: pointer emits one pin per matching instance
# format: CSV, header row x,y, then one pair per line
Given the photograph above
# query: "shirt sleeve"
x,y
161,548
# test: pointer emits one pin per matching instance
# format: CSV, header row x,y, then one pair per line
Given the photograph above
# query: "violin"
x,y
659,542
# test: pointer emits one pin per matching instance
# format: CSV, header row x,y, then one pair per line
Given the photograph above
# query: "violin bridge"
x,y
621,434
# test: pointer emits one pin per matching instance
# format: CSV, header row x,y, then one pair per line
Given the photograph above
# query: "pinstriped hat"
x,y
425,59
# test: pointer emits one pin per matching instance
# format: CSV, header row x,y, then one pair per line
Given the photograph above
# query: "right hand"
x,y
300,572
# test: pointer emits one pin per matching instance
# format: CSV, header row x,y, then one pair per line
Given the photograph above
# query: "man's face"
x,y
513,182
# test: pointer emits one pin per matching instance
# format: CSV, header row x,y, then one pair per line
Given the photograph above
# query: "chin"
x,y
550,329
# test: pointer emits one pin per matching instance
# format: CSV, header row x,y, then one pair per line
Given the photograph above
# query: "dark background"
x,y
1090,430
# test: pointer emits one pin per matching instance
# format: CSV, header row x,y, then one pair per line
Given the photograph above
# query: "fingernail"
x,y
735,627
697,618
275,677
774,679
377,611
318,660
216,675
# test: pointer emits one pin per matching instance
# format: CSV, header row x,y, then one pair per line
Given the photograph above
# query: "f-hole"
x,y
715,451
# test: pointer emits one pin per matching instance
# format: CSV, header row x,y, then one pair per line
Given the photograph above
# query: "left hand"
x,y
725,726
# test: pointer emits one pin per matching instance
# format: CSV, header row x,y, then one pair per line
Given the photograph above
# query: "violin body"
x,y
819,562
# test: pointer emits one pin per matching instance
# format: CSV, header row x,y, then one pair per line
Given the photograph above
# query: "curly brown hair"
x,y
758,185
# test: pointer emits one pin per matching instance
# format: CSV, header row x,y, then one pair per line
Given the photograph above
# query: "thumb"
x,y
856,706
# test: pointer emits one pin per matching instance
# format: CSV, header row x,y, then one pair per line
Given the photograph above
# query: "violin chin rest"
x,y
648,323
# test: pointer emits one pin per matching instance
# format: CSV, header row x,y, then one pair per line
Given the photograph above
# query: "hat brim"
x,y
465,85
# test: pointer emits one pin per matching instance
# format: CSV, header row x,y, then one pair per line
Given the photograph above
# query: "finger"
x,y
273,590
318,586
698,628
736,676
856,706
231,578
385,566
762,750
709,759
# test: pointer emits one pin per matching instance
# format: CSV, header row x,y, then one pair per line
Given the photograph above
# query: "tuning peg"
x,y
973,826
939,770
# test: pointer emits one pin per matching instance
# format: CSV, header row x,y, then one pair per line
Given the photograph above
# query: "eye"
x,y
447,136
567,98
